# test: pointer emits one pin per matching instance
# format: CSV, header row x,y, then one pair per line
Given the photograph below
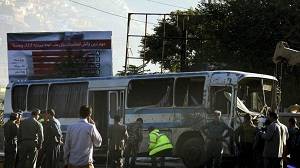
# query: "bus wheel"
x,y
192,153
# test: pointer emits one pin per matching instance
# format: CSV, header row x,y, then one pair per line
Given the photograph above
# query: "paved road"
x,y
144,162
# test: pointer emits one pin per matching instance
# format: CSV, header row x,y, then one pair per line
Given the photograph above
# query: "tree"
x,y
132,70
236,35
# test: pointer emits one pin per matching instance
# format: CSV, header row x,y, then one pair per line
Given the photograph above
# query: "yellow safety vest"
x,y
158,142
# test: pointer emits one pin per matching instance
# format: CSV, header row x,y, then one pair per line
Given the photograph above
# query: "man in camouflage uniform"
x,y
117,135
214,132
135,133
10,135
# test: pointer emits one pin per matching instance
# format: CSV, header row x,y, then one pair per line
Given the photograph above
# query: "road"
x,y
145,162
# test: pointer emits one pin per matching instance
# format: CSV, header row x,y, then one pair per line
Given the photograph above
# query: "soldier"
x,y
117,135
215,135
53,140
244,137
10,135
135,133
30,139
159,146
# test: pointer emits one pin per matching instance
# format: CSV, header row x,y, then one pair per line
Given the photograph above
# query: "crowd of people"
x,y
36,143
272,146
32,143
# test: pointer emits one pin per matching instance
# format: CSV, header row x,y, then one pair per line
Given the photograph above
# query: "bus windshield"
x,y
256,94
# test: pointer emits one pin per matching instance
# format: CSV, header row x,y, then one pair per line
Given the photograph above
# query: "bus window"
x,y
219,98
66,99
150,92
256,94
19,98
37,97
189,91
113,104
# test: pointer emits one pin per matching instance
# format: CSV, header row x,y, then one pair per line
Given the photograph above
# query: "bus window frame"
x,y
175,89
149,106
116,104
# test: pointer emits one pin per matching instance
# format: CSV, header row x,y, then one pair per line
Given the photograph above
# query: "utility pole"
x,y
183,62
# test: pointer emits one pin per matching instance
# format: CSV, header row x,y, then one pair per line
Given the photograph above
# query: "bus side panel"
x,y
161,118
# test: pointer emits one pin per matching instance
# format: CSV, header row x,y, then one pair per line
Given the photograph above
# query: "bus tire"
x,y
192,153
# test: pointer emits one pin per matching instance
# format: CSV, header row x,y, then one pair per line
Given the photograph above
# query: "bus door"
x,y
221,98
189,110
106,104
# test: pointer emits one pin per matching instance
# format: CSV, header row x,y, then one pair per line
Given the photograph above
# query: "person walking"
x,y
117,135
10,142
159,146
273,148
30,139
244,138
135,133
53,140
80,139
215,132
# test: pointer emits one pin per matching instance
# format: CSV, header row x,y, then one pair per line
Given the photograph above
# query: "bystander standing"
x,y
80,138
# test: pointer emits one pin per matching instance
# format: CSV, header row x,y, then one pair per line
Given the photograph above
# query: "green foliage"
x,y
236,35
132,70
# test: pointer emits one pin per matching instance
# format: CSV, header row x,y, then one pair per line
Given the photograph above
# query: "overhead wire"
x,y
167,4
109,13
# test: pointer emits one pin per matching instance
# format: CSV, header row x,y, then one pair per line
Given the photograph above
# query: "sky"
x,y
82,15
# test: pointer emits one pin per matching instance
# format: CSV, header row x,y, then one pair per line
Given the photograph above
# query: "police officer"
x,y
117,135
53,140
30,139
159,146
135,133
215,131
10,135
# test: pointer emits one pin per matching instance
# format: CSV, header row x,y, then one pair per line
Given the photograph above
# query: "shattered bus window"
x,y
150,92
189,91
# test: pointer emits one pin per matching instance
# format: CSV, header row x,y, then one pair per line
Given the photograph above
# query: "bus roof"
x,y
240,75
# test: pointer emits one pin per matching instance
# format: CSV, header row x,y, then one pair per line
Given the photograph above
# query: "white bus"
x,y
179,104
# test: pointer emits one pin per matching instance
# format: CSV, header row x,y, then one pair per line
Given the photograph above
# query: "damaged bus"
x,y
179,104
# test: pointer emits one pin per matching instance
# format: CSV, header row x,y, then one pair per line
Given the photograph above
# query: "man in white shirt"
x,y
80,138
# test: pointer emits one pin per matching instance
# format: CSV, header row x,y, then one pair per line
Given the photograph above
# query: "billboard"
x,y
59,55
